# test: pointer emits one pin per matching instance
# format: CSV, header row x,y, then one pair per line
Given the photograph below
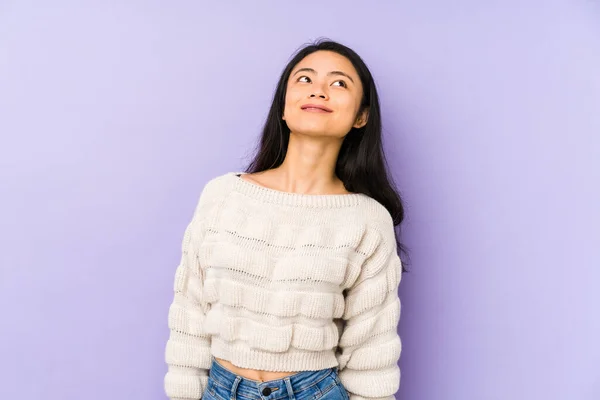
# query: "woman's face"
x,y
323,96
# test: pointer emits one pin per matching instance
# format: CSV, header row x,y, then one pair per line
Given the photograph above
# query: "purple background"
x,y
113,116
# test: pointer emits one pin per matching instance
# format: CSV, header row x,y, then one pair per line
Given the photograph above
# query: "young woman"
x,y
288,281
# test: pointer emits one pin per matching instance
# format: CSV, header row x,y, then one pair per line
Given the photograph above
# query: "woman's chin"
x,y
315,131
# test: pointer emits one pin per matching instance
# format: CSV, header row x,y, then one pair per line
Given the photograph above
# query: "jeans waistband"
x,y
298,381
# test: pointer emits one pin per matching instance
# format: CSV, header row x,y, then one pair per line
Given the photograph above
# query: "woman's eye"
x,y
304,79
341,83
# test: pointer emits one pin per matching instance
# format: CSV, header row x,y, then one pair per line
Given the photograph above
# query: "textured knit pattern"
x,y
280,281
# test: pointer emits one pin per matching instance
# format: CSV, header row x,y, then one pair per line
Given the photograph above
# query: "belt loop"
x,y
234,387
290,390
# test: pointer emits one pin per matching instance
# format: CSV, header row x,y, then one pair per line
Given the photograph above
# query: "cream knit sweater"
x,y
281,281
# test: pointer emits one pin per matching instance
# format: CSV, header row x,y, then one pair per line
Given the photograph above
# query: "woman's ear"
x,y
362,118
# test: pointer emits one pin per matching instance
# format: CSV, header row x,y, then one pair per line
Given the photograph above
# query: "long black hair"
x,y
361,163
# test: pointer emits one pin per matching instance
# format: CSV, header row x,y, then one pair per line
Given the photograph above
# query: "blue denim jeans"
x,y
324,384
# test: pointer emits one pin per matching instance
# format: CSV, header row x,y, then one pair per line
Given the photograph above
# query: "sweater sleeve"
x,y
369,347
187,353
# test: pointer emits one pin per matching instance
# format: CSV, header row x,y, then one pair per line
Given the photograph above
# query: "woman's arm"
x,y
370,345
187,353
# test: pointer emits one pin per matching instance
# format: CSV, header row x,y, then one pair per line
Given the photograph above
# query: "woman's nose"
x,y
319,90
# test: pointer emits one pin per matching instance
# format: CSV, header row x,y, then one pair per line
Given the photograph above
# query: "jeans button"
x,y
266,391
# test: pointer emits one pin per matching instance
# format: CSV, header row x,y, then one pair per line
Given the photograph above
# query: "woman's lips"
x,y
316,108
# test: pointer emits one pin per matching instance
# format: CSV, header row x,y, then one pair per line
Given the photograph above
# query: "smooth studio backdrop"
x,y
113,115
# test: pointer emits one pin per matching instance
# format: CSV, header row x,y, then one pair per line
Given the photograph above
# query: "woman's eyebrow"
x,y
341,73
330,73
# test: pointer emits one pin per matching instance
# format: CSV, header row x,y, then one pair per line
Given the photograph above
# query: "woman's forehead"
x,y
324,61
